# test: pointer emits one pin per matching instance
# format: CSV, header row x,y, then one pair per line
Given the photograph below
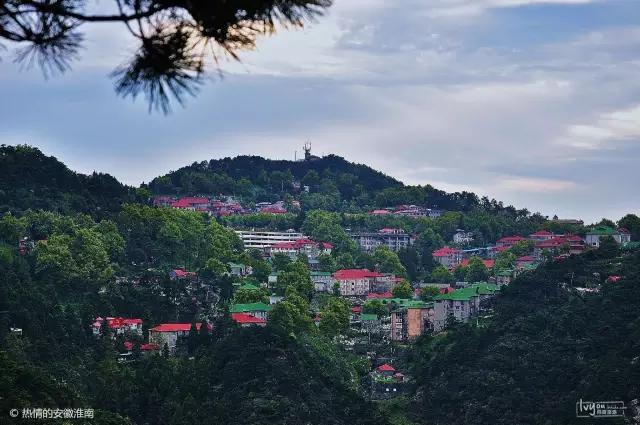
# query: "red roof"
x,y
487,263
355,274
128,345
614,278
623,230
447,290
273,210
386,368
356,309
384,295
188,202
176,327
511,239
542,233
117,322
182,273
526,259
244,318
500,248
445,252
380,212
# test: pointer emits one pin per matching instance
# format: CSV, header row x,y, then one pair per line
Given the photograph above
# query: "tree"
x,y
175,38
631,222
375,307
402,290
291,315
608,247
248,295
476,270
428,293
441,275
387,261
334,317
410,261
521,248
296,276
280,261
327,263
504,261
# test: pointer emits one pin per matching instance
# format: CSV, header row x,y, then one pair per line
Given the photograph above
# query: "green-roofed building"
x,y
621,235
462,303
255,309
321,281
366,317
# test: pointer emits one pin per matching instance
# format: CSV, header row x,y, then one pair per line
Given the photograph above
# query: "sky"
x,y
533,102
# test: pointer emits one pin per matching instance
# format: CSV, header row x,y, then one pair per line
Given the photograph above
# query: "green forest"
x,y
76,247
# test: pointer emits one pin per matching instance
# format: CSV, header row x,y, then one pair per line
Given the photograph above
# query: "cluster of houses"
x,y
222,206
392,238
408,211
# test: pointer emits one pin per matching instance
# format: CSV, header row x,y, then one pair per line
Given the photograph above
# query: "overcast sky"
x,y
535,103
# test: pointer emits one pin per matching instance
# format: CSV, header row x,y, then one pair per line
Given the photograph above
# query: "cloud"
x,y
622,125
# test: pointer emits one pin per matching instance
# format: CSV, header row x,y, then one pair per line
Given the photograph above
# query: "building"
x,y
191,203
387,382
239,269
118,325
260,310
541,235
308,247
260,239
569,244
504,277
621,235
321,281
461,304
411,319
394,239
247,320
168,333
487,263
462,238
509,241
359,282
177,274
448,257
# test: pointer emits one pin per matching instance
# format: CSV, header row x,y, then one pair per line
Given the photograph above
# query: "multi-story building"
x,y
118,325
308,247
411,320
448,257
262,239
462,238
260,310
621,235
359,282
321,281
168,333
394,239
461,304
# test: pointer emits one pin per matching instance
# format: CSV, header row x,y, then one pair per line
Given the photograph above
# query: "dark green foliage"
x,y
545,348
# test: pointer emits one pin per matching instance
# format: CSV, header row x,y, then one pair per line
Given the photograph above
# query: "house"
x,y
504,277
448,257
570,243
260,310
268,208
541,235
177,274
118,325
380,212
308,247
509,241
620,235
247,320
461,304
144,348
359,282
392,238
191,204
321,281
163,201
488,263
379,296
265,239
521,262
239,269
462,238
411,320
168,333
387,382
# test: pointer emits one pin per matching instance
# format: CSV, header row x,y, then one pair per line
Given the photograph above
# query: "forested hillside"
x,y
546,346
30,179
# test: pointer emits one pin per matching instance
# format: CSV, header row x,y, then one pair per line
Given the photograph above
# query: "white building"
x,y
261,239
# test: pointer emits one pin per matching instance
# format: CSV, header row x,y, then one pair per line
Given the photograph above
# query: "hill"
x,y
31,180
547,346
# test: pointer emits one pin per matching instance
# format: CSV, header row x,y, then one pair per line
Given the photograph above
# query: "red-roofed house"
x,y
128,345
181,274
191,203
168,333
386,369
376,296
541,235
359,282
572,243
246,320
448,257
487,263
380,212
509,241
614,279
119,325
525,261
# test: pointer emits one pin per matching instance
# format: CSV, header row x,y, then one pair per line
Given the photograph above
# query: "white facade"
x,y
263,239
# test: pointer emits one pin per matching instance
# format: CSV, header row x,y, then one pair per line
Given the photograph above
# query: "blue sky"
x,y
535,103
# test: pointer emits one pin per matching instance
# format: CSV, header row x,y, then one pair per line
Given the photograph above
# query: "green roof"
x,y
602,230
242,308
505,273
368,317
320,274
466,294
236,265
